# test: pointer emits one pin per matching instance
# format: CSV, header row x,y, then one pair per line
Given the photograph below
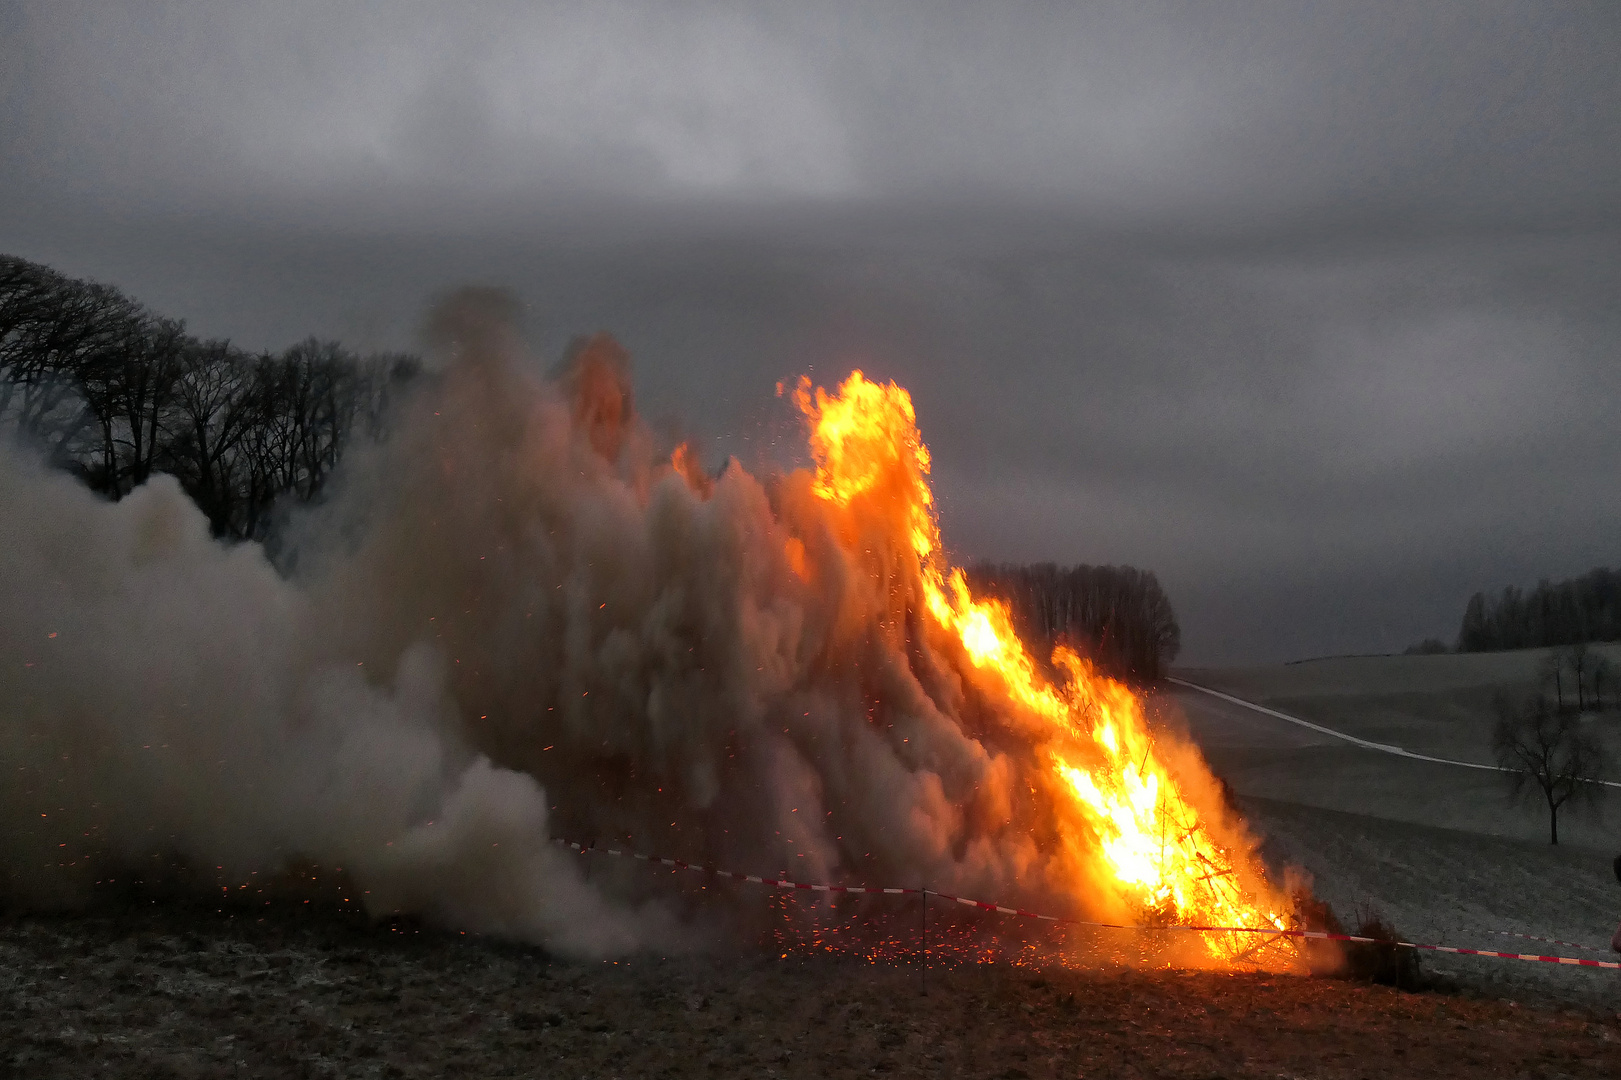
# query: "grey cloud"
x,y
1310,308
1132,110
298,101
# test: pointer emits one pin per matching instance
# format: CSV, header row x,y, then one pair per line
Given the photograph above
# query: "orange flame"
x,y
691,470
1123,818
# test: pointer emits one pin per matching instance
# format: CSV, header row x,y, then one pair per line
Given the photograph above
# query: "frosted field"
x,y
178,989
1437,848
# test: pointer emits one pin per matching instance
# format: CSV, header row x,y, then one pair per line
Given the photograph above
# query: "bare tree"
x,y
214,409
1579,660
58,337
135,383
114,393
1545,750
1552,670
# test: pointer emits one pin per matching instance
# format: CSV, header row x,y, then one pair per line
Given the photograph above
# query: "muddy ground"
x,y
170,990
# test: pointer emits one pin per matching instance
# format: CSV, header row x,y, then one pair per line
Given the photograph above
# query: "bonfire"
x,y
1120,814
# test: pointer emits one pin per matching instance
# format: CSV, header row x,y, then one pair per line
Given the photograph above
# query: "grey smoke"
x,y
513,621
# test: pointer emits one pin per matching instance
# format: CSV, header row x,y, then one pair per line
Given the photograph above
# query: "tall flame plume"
x,y
1119,807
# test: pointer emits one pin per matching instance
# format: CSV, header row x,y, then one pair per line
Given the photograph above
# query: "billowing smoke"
x,y
516,619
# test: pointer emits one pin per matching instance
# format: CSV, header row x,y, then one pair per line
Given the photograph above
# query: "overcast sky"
x,y
1312,308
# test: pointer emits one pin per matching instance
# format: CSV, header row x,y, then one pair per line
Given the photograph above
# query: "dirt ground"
x,y
169,990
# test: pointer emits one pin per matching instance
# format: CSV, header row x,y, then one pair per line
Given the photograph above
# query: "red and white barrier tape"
x,y
1573,961
1548,940
780,883
1315,935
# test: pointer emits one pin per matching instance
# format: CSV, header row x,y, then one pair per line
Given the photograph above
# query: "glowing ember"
x,y
1123,820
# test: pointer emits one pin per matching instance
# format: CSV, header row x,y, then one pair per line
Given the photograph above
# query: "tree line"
x,y
114,393
1570,612
1578,677
1117,616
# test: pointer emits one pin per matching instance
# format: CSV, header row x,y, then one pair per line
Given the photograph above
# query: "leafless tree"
x,y
214,410
130,385
1586,668
1579,659
58,337
1552,670
1546,751
115,393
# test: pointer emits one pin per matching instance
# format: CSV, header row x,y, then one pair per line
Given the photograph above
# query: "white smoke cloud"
x,y
166,695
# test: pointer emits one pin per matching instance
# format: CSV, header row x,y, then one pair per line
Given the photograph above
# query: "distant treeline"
x,y
114,393
1117,616
1581,609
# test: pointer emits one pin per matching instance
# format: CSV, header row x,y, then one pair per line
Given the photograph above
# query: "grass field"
x,y
1438,705
1440,850
1433,704
171,991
